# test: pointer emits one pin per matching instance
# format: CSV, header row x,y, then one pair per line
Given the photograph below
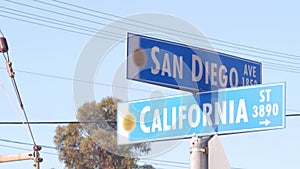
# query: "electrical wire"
x,y
11,102
55,27
168,29
6,57
193,35
19,148
157,162
274,66
78,80
16,110
63,14
23,143
252,49
293,115
164,161
58,22
46,19
55,122
281,66
88,122
166,165
279,54
55,154
286,68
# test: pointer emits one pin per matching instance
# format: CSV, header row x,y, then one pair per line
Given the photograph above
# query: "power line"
x,y
54,122
2,145
295,57
45,152
290,68
63,14
163,164
11,102
193,35
292,115
23,143
281,66
127,23
48,26
78,80
59,22
11,74
19,148
157,162
55,27
84,122
252,49
164,161
144,160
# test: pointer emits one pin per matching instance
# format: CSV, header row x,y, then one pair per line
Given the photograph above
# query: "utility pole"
x,y
198,153
37,158
16,157
35,155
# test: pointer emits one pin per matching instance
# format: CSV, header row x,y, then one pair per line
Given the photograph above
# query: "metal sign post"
x,y
199,153
207,153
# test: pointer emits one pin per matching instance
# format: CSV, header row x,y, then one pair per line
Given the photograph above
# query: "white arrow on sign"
x,y
266,122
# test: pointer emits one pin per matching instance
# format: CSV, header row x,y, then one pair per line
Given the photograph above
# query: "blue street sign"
x,y
185,67
231,110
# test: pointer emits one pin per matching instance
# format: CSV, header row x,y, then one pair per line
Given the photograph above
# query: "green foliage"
x,y
145,167
93,145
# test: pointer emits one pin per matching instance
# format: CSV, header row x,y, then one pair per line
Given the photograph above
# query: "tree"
x,y
146,166
93,145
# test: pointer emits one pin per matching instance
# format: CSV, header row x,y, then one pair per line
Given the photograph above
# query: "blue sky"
x,y
37,49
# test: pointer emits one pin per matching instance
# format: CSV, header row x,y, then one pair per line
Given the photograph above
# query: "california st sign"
x,y
232,110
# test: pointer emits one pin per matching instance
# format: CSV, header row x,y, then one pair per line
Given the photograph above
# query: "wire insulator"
x,y
37,148
3,45
10,70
